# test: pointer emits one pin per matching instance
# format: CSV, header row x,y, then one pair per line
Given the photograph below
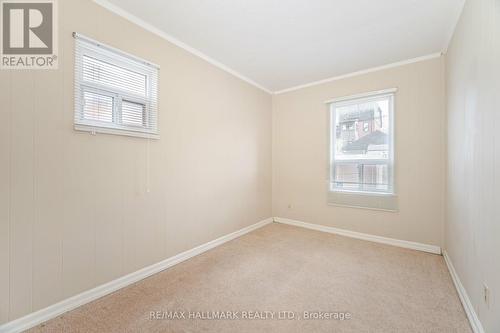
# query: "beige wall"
x,y
300,154
472,234
74,208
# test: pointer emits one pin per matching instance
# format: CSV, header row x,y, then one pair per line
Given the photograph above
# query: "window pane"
x,y
375,177
347,176
362,130
362,177
100,72
133,114
361,144
97,107
115,92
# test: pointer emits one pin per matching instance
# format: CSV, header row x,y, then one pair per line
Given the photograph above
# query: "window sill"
x,y
364,200
115,131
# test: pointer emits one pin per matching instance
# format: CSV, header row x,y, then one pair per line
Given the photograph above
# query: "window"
x,y
361,147
114,92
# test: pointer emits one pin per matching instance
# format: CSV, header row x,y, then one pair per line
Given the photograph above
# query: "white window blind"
x,y
115,92
362,150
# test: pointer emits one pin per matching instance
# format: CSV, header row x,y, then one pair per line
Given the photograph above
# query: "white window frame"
x,y
87,47
379,200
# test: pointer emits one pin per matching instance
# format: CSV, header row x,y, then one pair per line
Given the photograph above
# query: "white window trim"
x,y
92,48
385,201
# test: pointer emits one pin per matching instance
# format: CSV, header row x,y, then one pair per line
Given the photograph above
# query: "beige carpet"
x,y
281,268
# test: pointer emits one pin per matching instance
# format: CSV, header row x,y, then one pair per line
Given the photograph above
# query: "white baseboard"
x,y
71,303
358,235
476,325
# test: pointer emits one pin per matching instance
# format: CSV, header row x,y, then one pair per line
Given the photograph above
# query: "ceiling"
x,y
279,44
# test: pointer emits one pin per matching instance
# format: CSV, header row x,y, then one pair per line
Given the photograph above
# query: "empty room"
x,y
249,166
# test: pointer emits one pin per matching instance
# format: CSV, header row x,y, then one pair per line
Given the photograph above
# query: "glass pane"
x,y
375,177
362,130
362,177
104,73
347,176
133,113
97,107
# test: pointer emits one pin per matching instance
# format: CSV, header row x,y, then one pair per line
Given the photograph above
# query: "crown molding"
x,y
361,72
146,26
